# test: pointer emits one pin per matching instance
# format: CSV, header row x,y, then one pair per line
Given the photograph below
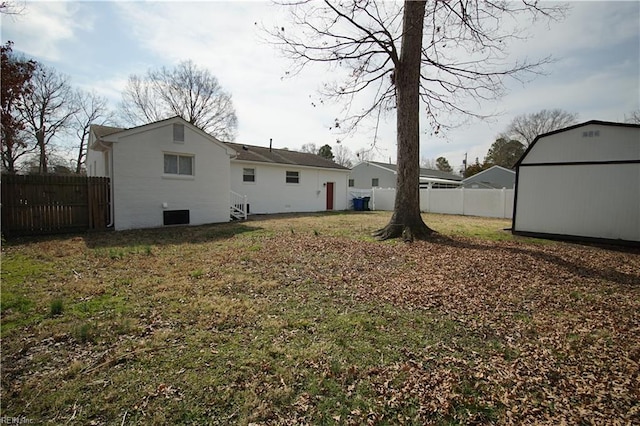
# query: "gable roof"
x,y
566,129
101,131
477,178
113,134
262,154
424,172
494,168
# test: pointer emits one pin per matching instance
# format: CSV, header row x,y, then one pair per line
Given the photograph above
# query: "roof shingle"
x,y
281,156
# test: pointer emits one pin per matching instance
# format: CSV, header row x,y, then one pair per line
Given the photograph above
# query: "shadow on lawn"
x,y
168,236
149,237
578,267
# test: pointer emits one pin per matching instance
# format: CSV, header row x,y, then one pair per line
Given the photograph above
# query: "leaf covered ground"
x,y
307,320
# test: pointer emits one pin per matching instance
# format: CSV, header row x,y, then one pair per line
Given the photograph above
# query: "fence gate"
x,y
47,204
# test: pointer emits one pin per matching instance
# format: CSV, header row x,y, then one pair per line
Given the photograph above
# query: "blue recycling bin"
x,y
358,204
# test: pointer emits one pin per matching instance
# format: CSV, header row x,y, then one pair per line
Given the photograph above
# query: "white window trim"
x,y
177,175
255,176
292,183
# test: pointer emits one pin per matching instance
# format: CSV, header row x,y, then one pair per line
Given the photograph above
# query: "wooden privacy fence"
x,y
48,204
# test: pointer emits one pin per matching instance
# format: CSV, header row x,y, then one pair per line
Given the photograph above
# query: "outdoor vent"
x,y
175,217
591,134
178,132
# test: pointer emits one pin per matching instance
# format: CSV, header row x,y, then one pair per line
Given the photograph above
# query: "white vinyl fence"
x,y
467,202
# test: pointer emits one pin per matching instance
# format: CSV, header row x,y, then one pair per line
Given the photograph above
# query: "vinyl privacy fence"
x,y
467,202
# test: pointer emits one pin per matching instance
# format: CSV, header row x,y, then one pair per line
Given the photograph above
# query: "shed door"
x,y
329,195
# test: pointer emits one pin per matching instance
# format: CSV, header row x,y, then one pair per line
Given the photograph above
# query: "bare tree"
x,y
428,163
364,154
47,110
15,85
12,7
92,109
342,155
186,91
526,127
402,55
634,117
310,148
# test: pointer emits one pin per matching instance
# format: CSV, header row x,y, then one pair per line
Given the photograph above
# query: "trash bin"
x,y
365,203
358,204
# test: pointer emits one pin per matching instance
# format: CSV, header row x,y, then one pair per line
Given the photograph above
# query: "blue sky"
x,y
99,44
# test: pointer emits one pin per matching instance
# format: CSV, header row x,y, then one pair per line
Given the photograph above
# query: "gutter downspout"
x,y
112,208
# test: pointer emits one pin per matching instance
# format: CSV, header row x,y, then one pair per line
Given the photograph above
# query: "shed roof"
x,y
566,129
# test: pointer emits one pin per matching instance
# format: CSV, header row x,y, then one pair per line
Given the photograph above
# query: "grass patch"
x,y
56,309
304,319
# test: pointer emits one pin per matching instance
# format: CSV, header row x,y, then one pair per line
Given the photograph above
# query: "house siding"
x,y
573,185
271,194
142,192
363,173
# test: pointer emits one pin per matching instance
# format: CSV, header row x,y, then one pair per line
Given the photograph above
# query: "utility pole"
x,y
464,162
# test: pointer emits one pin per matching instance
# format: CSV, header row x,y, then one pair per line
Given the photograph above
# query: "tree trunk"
x,y
406,221
40,140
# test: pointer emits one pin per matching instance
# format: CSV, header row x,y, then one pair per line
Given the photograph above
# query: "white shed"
x,y
581,182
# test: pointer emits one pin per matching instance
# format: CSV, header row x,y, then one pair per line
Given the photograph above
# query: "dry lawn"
x,y
307,320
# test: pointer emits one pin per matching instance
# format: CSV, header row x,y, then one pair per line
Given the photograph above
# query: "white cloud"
x,y
44,26
589,77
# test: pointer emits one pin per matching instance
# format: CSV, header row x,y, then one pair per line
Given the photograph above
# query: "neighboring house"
x,y
371,174
581,182
492,178
171,172
279,180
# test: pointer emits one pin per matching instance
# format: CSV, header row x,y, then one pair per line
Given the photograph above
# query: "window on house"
x,y
374,182
175,164
178,132
293,177
351,182
248,175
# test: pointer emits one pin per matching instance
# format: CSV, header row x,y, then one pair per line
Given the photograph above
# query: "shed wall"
x,y
592,200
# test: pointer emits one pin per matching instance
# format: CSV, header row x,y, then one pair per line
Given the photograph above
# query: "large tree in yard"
x,y
438,54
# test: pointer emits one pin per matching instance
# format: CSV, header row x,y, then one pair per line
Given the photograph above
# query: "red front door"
x,y
329,195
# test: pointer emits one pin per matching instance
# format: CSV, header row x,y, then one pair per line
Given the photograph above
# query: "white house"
x,y
171,172
281,181
581,182
496,177
163,173
372,174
